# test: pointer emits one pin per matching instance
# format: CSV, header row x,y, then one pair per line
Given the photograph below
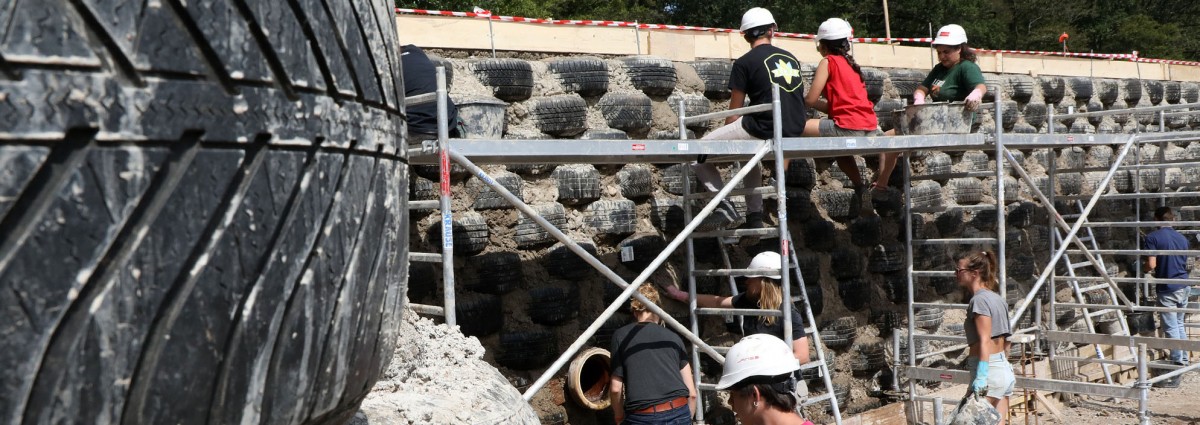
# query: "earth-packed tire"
x,y
836,173
424,279
693,105
1107,91
1190,92
883,113
528,234
905,81
715,74
174,178
886,321
865,359
488,199
846,262
511,80
1070,183
630,112
561,262
422,189
1022,127
810,267
928,318
873,79
652,75
801,173
478,314
984,219
1035,114
800,205
577,183
564,115
855,293
1082,126
927,194
939,163
583,75
667,215
920,347
470,233
816,298
1020,215
611,217
950,223
1154,91
673,181
992,81
636,181
896,285
866,231
1172,91
1053,89
527,350
496,273
966,190
975,160
886,258
1133,90
552,305
837,202
1081,87
642,248
1022,87
819,235
839,333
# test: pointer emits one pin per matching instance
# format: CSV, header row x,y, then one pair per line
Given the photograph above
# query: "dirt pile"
x,y
438,376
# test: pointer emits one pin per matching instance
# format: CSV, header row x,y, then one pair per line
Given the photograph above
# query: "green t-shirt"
x,y
954,84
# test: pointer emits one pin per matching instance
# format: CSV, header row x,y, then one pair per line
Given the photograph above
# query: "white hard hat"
x,y
757,355
834,29
951,35
757,17
766,260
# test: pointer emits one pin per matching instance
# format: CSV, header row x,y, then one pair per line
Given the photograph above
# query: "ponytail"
x,y
771,298
841,47
966,52
983,262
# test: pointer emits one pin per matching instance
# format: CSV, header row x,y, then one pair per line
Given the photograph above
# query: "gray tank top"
x,y
987,303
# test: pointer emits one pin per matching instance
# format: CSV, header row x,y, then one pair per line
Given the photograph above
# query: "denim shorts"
x,y
1000,379
678,416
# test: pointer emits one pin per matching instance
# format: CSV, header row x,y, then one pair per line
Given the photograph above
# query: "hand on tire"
x,y
918,97
974,99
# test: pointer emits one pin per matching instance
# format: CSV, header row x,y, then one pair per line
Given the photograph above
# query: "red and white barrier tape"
x,y
488,15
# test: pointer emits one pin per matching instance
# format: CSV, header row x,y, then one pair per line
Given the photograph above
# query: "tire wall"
x,y
202,210
527,301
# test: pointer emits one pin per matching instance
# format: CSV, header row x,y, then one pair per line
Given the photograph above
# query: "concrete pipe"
x,y
588,376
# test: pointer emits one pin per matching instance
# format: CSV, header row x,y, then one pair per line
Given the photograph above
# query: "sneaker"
x,y
754,220
856,202
1169,383
726,213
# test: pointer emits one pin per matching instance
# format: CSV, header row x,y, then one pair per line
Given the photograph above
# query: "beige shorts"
x,y
827,128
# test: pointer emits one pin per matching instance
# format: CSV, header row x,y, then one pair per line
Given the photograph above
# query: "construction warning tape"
x,y
484,14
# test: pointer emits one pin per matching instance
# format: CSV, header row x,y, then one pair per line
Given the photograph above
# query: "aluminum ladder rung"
x,y
734,272
433,310
932,273
738,312
423,205
816,399
425,257
765,191
1093,287
815,363
1082,265
956,241
947,176
812,364
978,207
763,232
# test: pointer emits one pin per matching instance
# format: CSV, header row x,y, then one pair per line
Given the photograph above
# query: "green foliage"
x,y
1155,28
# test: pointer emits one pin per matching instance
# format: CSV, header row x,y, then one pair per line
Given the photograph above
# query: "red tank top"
x,y
849,106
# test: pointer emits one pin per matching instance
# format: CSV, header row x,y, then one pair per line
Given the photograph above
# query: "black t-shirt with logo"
x,y
758,325
753,74
649,358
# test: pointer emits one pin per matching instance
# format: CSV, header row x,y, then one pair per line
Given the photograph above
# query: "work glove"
x,y
918,97
979,385
974,99
677,294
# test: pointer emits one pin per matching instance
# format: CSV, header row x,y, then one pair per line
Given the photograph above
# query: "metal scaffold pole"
x,y
444,199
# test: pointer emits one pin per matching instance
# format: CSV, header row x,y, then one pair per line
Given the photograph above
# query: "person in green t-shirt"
x,y
956,78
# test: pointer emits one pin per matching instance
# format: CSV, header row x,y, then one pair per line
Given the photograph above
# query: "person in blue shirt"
x,y
1169,295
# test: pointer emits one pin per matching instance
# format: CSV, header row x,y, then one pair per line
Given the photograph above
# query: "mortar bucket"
x,y
934,118
482,117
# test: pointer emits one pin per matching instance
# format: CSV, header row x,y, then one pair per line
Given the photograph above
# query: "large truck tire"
x,y
203,216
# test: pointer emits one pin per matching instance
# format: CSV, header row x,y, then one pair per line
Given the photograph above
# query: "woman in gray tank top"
x,y
987,330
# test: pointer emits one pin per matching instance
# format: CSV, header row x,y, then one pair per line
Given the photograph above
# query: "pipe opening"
x,y
588,378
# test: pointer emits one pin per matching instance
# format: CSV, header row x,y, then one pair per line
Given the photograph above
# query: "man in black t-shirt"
x,y
753,75
651,378
420,77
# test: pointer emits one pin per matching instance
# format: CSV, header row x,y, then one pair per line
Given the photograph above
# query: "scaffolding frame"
x,y
625,151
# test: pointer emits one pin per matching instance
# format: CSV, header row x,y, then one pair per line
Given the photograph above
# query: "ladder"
x,y
1089,238
442,204
733,236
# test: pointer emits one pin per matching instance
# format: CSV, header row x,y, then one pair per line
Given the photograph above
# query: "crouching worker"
x,y
651,378
758,375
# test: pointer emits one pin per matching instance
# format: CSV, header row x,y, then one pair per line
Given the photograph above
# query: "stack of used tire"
x,y
199,211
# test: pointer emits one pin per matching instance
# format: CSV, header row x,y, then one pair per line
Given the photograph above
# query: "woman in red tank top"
x,y
850,113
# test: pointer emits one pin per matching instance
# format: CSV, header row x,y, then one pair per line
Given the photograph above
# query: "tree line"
x,y
1154,28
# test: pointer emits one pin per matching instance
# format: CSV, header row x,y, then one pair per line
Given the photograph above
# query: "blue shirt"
x,y
1168,266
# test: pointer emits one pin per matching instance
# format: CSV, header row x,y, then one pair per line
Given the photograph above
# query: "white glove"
x,y
974,99
918,97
